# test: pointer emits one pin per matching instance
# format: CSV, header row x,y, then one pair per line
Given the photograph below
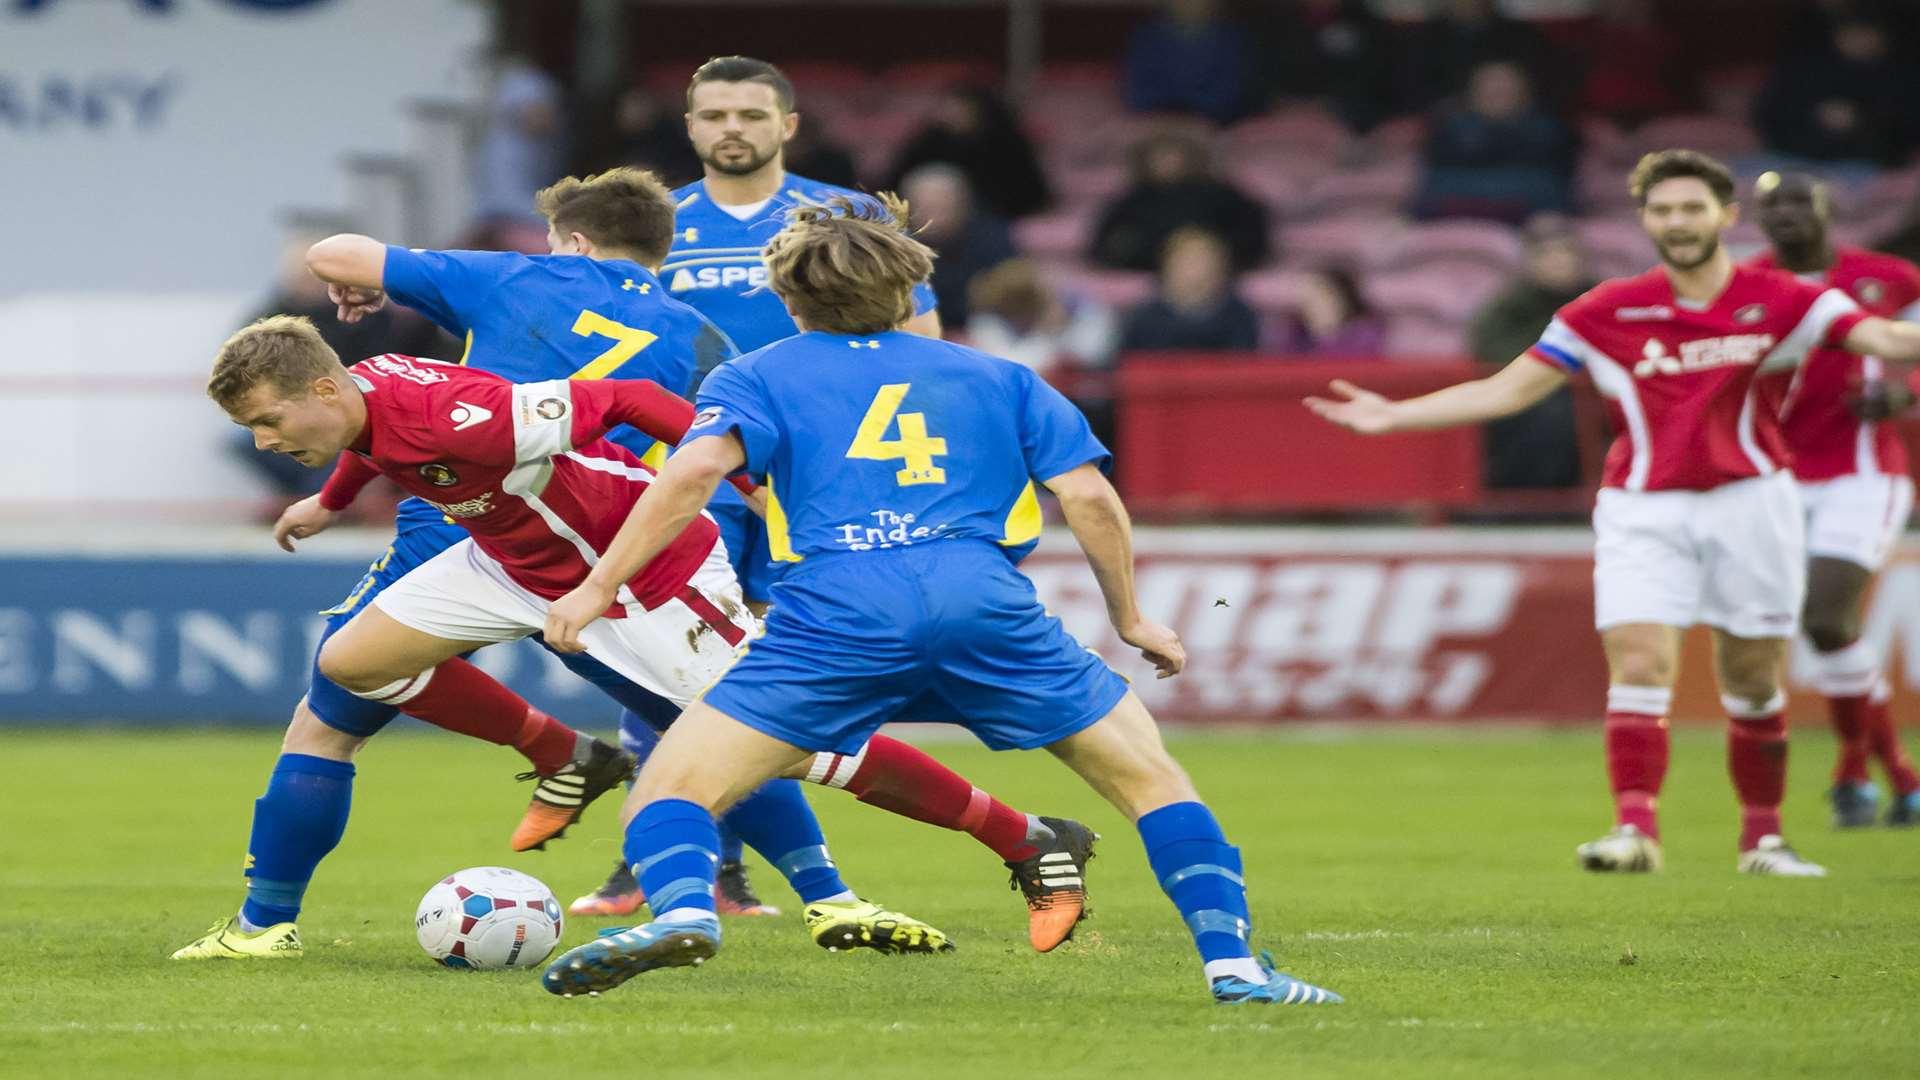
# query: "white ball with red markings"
x,y
489,917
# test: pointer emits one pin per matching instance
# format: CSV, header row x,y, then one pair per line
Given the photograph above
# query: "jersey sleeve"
x,y
1828,317
471,419
1054,435
559,415
350,474
732,400
449,287
1562,347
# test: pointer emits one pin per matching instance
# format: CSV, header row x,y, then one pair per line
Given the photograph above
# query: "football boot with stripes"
x,y
1771,855
225,940
1854,805
860,924
1278,988
1054,881
621,895
560,796
1903,811
1625,850
618,955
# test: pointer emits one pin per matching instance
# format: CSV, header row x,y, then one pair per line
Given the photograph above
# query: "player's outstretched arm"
x,y
1888,339
1099,522
669,504
354,268
1505,392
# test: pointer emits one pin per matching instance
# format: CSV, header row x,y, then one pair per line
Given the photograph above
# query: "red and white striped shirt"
x,y
1679,378
523,468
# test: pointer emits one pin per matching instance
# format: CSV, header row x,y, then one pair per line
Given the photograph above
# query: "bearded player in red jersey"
x,y
1698,520
1853,480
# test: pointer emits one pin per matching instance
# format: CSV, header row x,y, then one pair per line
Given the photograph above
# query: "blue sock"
x,y
295,824
638,737
779,824
674,850
1200,873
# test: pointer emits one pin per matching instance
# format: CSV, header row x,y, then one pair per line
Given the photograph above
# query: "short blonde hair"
x,y
849,266
284,351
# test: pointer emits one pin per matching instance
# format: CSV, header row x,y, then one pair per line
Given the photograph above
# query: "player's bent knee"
x,y
1831,631
310,735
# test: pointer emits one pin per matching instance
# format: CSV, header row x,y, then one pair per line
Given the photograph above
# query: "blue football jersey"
x,y
715,262
530,318
872,443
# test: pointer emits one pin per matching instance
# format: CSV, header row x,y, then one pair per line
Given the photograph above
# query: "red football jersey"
x,y
1679,378
523,467
1826,438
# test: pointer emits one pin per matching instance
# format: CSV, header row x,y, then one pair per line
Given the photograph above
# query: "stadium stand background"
x,y
1383,229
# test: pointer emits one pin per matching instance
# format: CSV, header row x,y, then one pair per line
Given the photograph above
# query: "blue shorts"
x,y
341,710
947,631
746,538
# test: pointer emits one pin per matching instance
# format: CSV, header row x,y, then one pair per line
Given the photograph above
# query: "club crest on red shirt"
x,y
438,475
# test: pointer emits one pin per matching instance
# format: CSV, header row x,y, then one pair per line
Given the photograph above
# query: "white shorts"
x,y
464,595
1734,557
1856,518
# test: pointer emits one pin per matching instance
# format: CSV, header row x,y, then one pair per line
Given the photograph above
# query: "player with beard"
x,y
740,116
1698,519
1853,480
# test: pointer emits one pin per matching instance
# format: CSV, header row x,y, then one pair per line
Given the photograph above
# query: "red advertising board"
x,y
1411,624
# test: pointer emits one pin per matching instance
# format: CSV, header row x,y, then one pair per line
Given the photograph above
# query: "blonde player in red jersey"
x,y
1698,520
1853,480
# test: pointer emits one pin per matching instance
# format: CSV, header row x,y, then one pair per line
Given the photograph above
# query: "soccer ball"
x,y
488,917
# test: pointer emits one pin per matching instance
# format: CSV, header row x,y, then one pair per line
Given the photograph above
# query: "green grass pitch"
x,y
1428,875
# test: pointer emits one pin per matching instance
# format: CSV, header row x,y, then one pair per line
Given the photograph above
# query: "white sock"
x,y
683,914
1246,967
844,896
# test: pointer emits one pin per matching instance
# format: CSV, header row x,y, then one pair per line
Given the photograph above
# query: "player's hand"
x,y
1159,644
354,304
1880,399
1363,410
301,520
572,613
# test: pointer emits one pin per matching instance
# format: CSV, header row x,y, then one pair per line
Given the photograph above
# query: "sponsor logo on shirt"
x,y
473,507
703,418
438,475
889,529
1654,313
401,367
1702,354
552,408
740,278
1750,314
465,416
1870,290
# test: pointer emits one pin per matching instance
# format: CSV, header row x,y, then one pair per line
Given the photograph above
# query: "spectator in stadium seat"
x,y
1332,319
1196,305
812,153
1498,154
1538,448
1173,187
523,145
969,241
1631,66
1849,102
973,130
1064,335
1191,60
649,132
1334,51
1440,54
392,329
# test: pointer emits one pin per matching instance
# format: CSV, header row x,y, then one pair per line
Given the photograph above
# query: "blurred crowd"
x,y
1287,178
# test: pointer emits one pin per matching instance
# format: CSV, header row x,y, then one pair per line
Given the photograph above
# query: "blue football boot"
x,y
618,955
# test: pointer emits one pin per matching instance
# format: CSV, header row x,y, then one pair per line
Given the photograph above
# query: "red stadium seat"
x,y
1439,293
1117,289
1059,235
1462,242
1272,292
1382,188
1355,241
1705,132
1399,137
938,74
1616,244
1305,129
1417,335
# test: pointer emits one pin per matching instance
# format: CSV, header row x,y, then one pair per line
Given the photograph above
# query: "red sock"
x,y
1757,758
460,697
901,779
1636,767
1850,715
1636,736
1883,739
